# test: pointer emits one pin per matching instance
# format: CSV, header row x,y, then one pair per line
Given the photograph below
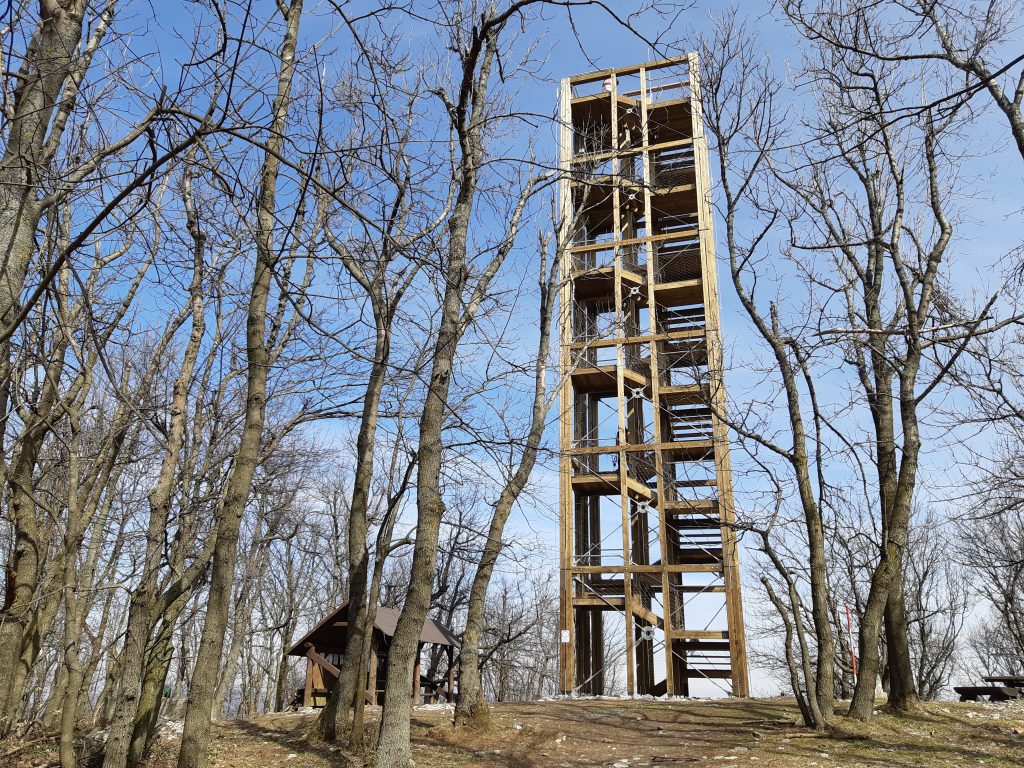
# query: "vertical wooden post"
x,y
451,675
620,386
567,635
656,404
416,676
307,693
371,684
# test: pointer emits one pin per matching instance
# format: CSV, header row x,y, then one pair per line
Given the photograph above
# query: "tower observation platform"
x,y
650,584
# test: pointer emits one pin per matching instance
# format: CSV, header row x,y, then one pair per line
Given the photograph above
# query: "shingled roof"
x,y
329,636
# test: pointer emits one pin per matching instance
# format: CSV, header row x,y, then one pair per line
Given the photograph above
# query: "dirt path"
x,y
630,734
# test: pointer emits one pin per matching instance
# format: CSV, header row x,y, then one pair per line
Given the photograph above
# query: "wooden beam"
x,y
321,662
698,634
734,597
648,615
672,568
602,74
601,603
307,691
567,626
597,157
620,382
683,234
675,336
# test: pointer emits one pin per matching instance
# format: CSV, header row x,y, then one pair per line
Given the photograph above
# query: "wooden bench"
x,y
992,692
1014,681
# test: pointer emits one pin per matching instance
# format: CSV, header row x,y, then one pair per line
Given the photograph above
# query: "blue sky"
x,y
987,229
990,227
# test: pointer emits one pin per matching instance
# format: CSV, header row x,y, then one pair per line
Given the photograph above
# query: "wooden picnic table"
x,y
987,692
1014,681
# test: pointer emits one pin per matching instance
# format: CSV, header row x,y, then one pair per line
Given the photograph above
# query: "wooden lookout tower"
x,y
649,567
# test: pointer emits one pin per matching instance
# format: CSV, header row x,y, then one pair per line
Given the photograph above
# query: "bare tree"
x,y
472,705
938,601
989,542
974,40
261,350
148,602
739,101
382,260
463,294
882,240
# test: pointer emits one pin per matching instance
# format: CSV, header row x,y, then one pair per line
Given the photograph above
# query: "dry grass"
x,y
559,734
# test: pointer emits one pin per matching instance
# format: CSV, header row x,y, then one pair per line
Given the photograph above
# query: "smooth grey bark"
x,y
53,61
383,547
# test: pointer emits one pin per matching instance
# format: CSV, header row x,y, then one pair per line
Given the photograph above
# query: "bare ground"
x,y
637,734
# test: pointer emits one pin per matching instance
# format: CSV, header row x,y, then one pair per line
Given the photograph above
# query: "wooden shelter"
x,y
648,545
324,649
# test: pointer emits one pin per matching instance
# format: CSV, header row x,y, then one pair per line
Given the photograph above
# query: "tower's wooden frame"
x,y
638,240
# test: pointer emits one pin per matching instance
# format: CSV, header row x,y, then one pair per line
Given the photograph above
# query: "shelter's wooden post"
x,y
451,674
416,676
307,693
371,685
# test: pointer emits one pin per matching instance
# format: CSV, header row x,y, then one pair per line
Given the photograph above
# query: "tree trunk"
x,y
145,605
351,682
393,744
196,734
20,624
469,118
154,679
384,535
472,705
49,60
903,694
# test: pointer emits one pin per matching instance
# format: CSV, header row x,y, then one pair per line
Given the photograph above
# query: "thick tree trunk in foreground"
x,y
457,312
